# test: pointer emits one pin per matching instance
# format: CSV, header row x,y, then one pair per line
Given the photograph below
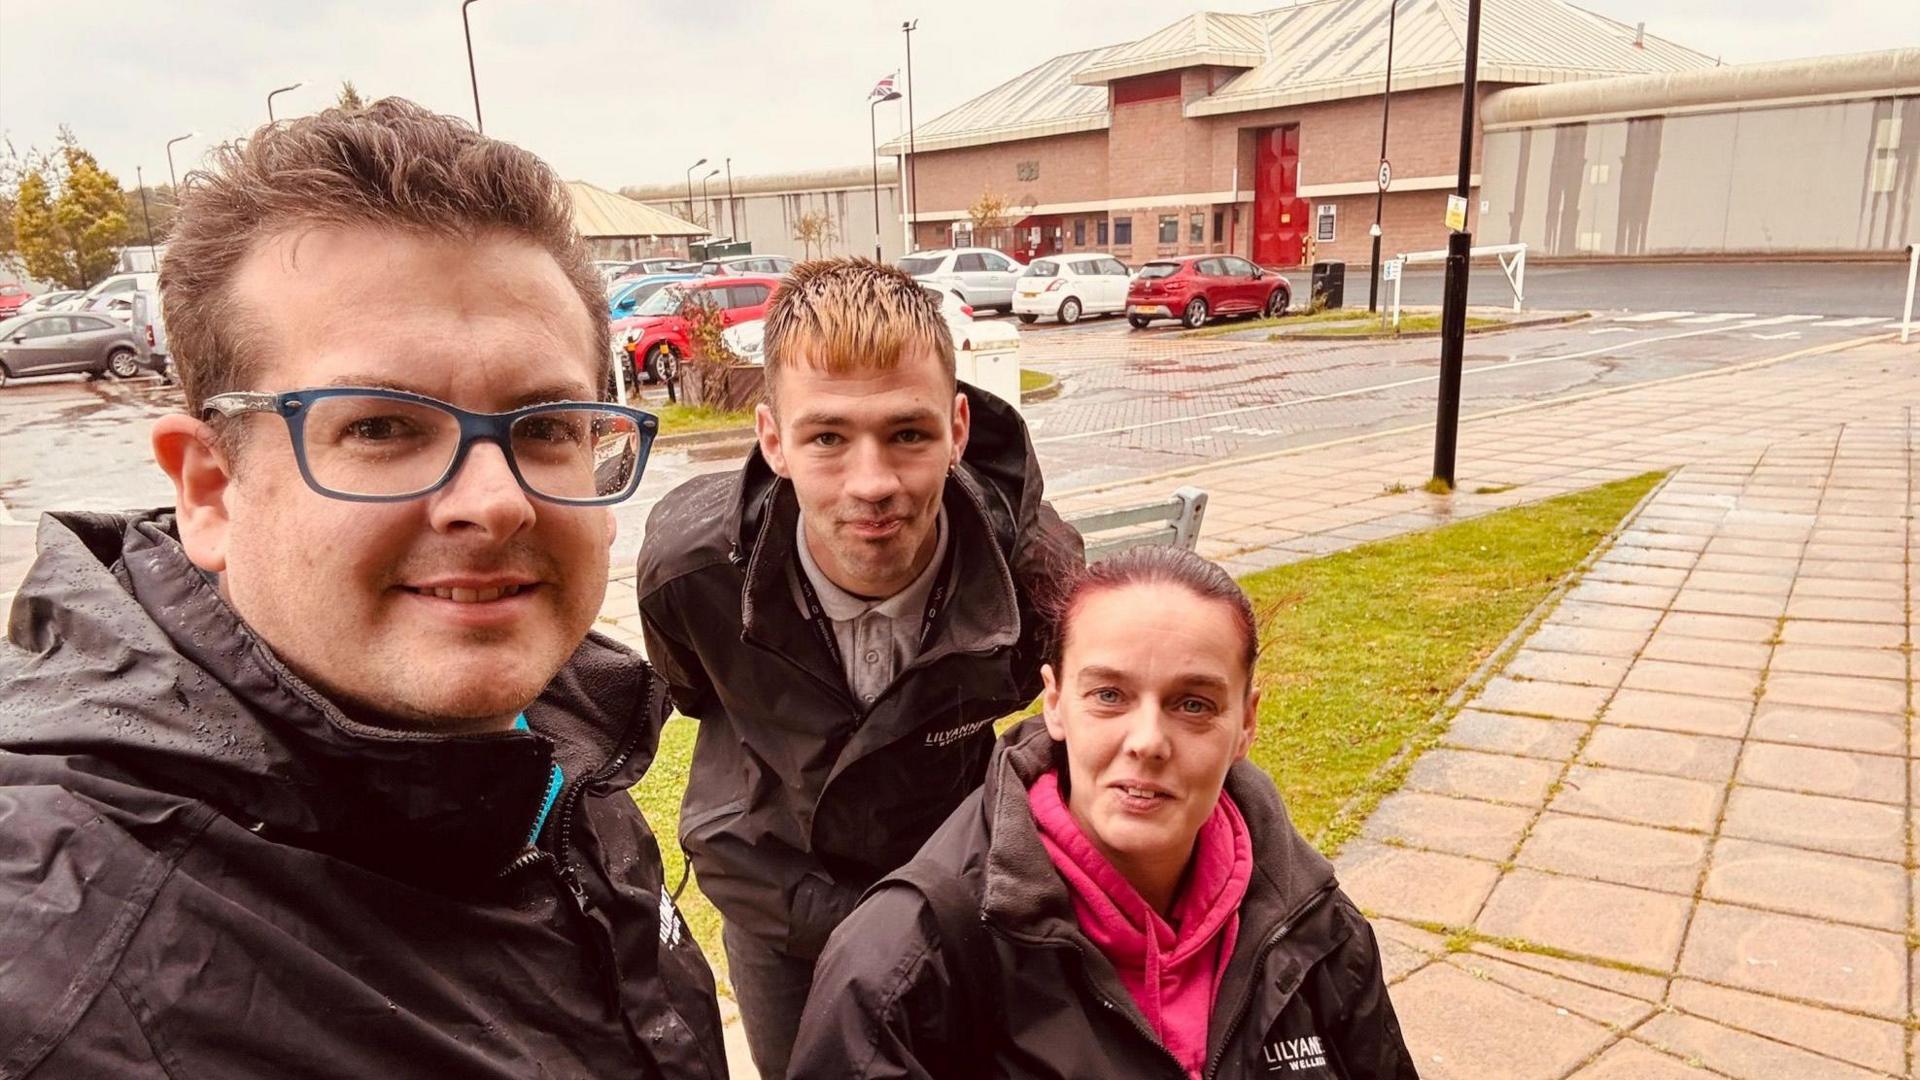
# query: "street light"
x,y
690,169
478,123
170,177
733,227
704,201
141,180
913,174
873,128
1453,312
282,90
1380,198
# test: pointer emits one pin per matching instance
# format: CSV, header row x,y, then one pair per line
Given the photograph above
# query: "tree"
x,y
988,214
815,228
160,205
350,99
72,237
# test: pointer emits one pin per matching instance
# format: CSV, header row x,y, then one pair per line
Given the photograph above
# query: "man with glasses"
x,y
320,771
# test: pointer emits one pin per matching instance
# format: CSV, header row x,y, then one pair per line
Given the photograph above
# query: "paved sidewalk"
x,y
1697,778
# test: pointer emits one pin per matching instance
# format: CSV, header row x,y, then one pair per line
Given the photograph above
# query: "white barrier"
x,y
1913,271
1515,268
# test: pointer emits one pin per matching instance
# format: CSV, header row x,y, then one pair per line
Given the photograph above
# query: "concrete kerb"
x,y
1356,809
1048,392
1557,319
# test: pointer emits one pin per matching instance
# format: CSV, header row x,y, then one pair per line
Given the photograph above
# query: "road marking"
x,y
1782,336
1862,320
1718,317
1652,316
1269,455
1377,387
1776,320
1612,330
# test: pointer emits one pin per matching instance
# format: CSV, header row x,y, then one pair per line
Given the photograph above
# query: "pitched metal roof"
x,y
1206,37
1319,50
844,178
599,212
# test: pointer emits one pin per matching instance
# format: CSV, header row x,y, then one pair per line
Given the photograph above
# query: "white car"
x,y
981,276
986,354
1066,287
118,286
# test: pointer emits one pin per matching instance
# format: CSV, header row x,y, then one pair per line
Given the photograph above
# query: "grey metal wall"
x,y
768,220
1819,177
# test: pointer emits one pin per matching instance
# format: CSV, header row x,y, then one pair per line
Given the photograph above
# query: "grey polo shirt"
x,y
877,638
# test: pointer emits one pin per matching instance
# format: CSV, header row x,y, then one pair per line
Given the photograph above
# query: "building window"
x,y
1080,232
963,234
1169,228
1122,231
1100,231
1197,229
1219,223
1323,222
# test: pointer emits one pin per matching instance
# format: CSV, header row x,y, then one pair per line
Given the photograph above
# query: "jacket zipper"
x,y
1259,961
1099,995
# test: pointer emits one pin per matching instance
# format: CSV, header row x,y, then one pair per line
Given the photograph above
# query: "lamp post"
x,y
690,169
282,90
1453,314
1379,199
704,201
913,175
175,181
471,75
873,129
733,227
148,218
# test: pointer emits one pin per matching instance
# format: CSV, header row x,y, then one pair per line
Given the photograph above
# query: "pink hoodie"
x,y
1172,971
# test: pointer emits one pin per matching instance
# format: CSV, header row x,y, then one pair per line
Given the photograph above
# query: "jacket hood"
x,y
1024,892
125,659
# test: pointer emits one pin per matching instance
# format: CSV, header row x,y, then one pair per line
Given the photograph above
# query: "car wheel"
x,y
662,363
1029,319
1277,302
124,363
1195,316
1069,311
4,375
1138,322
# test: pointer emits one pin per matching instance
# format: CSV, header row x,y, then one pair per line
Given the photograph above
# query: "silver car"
x,y
58,343
981,277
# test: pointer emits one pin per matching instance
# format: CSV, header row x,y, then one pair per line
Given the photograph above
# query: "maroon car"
x,y
1195,288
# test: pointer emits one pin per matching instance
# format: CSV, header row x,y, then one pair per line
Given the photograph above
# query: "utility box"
x,y
1330,283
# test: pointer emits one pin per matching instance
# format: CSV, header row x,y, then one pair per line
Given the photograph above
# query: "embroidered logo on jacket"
x,y
1294,1055
954,735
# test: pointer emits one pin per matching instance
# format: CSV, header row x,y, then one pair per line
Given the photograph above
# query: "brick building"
x,y
1252,133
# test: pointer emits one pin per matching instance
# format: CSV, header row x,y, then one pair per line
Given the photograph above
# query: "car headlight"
x,y
632,336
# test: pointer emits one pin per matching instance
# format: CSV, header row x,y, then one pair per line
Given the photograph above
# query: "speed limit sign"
x,y
1386,174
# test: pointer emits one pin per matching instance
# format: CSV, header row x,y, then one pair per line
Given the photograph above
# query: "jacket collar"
x,y
128,653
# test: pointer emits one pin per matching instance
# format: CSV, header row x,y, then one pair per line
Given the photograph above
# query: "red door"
x,y
1279,213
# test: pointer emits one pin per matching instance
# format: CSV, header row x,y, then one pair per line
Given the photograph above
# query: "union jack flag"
x,y
884,87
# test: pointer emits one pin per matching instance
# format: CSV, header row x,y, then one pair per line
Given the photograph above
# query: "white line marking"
x,y
1776,320
1358,390
1612,330
1718,317
1652,316
1862,320
1782,336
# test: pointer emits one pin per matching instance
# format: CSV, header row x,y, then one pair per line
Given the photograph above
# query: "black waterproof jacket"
x,y
800,796
994,978
206,870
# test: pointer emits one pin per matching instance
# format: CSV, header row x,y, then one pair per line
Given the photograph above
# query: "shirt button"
x,y
872,657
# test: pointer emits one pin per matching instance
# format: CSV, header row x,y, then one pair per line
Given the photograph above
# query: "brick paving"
x,y
1672,835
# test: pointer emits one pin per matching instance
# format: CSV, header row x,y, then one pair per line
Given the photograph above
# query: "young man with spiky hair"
x,y
846,616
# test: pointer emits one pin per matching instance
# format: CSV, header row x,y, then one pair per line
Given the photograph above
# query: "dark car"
x,y
648,266
58,343
1196,288
733,265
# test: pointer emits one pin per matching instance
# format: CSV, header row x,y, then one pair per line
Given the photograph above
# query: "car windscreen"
x,y
9,327
665,302
1159,270
1043,268
919,265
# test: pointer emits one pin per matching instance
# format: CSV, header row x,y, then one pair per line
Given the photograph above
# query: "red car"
x,y
1195,288
11,297
654,337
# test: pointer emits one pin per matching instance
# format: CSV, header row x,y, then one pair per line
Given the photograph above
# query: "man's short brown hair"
x,y
392,165
842,315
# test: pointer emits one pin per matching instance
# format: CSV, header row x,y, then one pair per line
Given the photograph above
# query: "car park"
x,y
629,293
656,337
1065,287
650,266
107,289
735,265
981,277
61,342
1196,288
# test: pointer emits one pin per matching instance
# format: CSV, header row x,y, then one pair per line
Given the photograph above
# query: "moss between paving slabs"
x,y
1362,649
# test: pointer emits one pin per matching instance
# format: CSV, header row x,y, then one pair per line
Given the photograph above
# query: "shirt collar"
x,y
842,606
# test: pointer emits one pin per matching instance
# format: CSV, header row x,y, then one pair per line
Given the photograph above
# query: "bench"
x,y
1174,522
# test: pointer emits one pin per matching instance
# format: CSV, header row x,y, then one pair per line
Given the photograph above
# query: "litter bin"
x,y
1330,283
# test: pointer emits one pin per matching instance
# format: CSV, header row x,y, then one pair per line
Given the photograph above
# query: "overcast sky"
x,y
633,92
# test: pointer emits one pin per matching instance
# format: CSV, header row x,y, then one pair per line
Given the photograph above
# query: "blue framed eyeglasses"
x,y
373,445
